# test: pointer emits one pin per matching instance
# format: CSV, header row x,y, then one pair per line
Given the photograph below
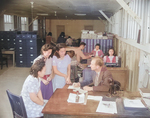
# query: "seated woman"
x,y
111,58
97,51
69,41
31,92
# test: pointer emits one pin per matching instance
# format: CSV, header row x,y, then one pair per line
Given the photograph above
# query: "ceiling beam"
x,y
105,16
33,20
129,11
101,20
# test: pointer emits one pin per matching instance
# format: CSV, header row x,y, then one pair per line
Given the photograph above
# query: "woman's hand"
x,y
46,82
68,81
76,84
87,88
49,79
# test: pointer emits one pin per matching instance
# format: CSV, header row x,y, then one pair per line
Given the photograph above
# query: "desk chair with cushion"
x,y
17,105
3,60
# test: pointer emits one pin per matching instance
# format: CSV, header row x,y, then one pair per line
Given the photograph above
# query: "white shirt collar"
x,y
96,50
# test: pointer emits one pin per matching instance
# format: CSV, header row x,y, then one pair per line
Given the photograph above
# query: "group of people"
x,y
52,70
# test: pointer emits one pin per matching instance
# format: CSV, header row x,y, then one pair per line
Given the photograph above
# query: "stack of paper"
x,y
72,87
144,92
80,90
96,98
72,98
107,107
133,104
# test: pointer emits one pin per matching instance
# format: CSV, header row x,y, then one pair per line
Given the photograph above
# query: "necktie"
x,y
96,80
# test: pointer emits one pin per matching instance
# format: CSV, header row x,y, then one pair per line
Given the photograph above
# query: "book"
x,y
133,104
107,107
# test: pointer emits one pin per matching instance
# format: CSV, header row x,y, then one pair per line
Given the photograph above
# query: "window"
x,y
8,23
88,27
24,24
35,25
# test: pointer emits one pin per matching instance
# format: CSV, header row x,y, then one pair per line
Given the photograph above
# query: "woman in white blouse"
x,y
31,92
111,58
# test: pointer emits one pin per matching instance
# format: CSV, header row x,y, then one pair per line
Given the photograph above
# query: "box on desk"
x,y
144,92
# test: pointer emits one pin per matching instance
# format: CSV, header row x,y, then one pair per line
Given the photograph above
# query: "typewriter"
x,y
112,65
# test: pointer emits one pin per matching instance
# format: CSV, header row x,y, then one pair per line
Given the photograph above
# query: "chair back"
x,y
17,105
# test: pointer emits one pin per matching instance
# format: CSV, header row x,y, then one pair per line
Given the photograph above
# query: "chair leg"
x,y
1,65
7,63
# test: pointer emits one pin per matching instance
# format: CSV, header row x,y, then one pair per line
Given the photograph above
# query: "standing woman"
x,y
31,92
61,67
111,58
46,83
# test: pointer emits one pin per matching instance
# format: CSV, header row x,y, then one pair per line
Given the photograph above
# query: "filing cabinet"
x,y
28,47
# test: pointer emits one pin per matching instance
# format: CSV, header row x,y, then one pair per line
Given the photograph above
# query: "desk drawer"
x,y
32,49
31,55
21,62
20,49
21,55
31,42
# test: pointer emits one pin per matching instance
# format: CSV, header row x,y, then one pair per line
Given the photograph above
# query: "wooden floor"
x,y
11,78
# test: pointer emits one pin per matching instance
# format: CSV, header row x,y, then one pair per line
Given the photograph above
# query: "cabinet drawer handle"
x,y
20,40
8,39
20,61
20,47
2,39
31,62
31,55
20,54
14,39
31,41
31,48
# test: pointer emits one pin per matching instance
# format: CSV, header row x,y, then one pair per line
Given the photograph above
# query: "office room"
x,y
75,58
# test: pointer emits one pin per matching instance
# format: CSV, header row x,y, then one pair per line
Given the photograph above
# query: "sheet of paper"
x,y
136,103
72,98
80,90
107,107
72,87
96,98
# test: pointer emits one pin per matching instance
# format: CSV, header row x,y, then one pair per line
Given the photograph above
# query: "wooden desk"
x,y
118,73
10,52
58,107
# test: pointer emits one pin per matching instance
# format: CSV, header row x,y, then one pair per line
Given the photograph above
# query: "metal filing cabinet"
x,y
27,49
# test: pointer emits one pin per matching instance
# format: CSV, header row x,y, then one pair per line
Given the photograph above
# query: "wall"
x,y
73,27
133,46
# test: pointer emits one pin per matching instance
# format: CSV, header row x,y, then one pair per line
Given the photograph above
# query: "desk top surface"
x,y
58,105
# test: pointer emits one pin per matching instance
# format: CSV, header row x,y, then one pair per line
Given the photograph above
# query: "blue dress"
x,y
62,65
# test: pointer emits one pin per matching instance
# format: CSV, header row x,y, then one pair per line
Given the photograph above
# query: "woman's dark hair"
x,y
82,43
36,67
111,49
50,34
47,47
58,47
69,36
71,53
62,34
98,45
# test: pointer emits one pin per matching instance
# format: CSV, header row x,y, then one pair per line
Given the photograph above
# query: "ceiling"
x,y
65,9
